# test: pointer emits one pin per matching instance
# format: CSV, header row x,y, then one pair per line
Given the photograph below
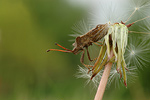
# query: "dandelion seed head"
x,y
137,51
136,8
145,29
132,52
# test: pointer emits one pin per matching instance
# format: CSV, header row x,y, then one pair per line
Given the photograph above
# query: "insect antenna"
x,y
62,47
65,49
59,50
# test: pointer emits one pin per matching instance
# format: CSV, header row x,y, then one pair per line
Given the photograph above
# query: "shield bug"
x,y
84,41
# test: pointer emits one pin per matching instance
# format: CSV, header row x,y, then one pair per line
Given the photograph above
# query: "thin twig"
x,y
104,79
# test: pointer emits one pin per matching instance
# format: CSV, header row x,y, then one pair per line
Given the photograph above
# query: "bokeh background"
x,y
27,72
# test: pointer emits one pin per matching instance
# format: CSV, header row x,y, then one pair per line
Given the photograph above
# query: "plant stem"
x,y
104,79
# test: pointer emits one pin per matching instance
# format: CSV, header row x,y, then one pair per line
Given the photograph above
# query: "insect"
x,y
84,41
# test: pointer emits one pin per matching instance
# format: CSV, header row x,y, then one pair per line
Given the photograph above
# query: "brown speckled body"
x,y
84,41
87,39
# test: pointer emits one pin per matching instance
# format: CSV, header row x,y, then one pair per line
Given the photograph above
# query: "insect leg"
x,y
97,44
100,42
82,57
82,61
89,55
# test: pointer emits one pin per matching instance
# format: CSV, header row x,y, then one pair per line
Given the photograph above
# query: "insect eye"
x,y
98,26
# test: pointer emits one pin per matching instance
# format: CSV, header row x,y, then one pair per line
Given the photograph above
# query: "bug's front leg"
x,y
100,42
96,43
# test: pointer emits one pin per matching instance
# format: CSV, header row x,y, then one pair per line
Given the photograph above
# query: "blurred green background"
x,y
27,72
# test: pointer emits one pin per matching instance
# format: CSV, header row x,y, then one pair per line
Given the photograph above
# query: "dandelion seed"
x,y
81,27
107,11
137,52
83,73
141,6
145,30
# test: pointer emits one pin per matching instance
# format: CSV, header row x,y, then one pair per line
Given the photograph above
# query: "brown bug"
x,y
84,41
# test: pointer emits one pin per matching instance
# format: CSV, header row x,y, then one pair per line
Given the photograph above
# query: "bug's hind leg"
x,y
89,55
82,61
